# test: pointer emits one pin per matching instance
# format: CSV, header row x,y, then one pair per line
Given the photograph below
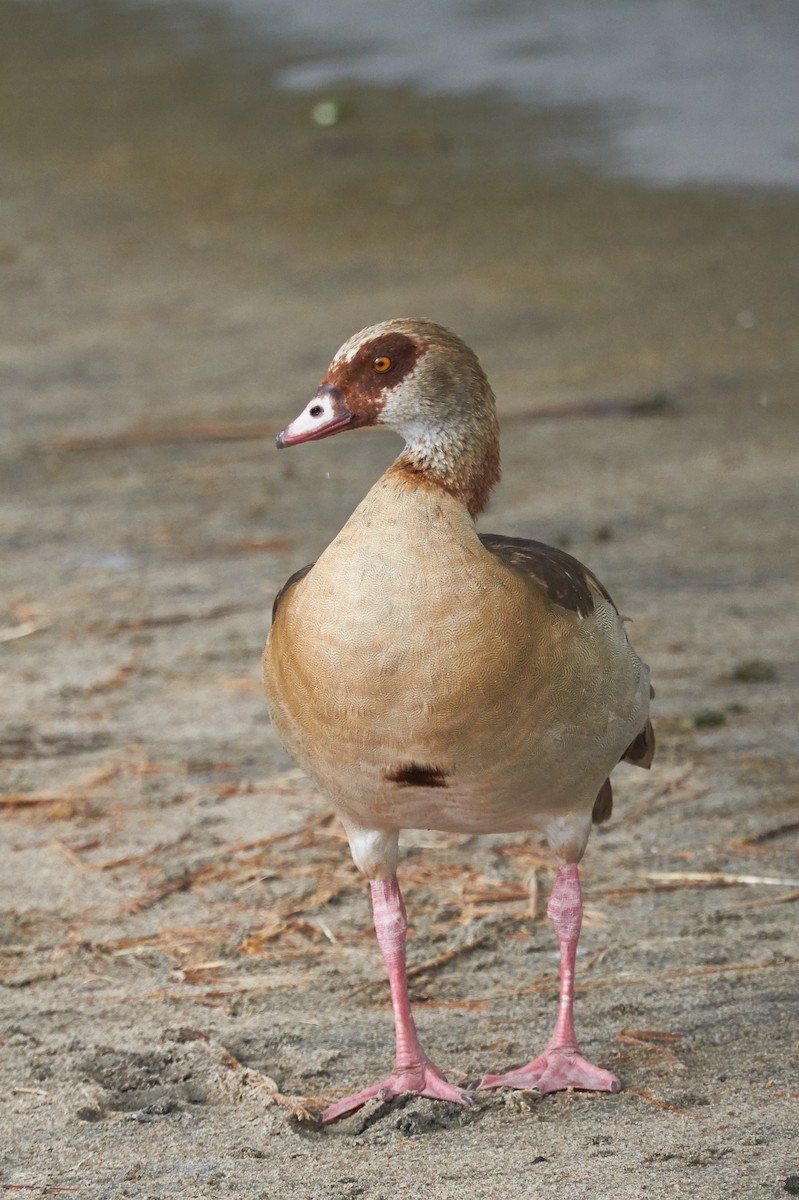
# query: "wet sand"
x,y
186,958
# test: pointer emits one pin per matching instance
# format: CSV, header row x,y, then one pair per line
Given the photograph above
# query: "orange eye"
x,y
382,364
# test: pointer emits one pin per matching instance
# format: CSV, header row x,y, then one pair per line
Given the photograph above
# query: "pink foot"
x,y
553,1071
425,1080
561,1065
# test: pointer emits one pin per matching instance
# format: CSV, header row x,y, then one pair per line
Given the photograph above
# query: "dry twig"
x,y
551,982
661,1104
432,964
12,633
765,901
28,800
755,841
267,1086
717,879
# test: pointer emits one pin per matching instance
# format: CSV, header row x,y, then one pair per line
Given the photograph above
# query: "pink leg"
x,y
561,1065
413,1070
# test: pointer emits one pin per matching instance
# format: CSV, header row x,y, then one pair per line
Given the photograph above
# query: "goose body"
x,y
427,677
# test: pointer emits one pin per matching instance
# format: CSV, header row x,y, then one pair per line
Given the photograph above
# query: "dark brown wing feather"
x,y
603,805
292,579
567,582
572,586
641,750
640,753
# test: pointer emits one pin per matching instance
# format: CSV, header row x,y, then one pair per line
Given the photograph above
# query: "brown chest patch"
x,y
415,775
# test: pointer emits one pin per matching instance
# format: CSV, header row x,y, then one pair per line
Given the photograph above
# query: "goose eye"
x,y
382,364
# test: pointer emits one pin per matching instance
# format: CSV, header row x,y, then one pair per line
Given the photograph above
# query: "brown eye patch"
x,y
379,365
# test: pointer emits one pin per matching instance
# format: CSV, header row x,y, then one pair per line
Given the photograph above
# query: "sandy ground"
x,y
186,957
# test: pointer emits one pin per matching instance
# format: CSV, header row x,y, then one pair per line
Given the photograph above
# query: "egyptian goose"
x,y
427,677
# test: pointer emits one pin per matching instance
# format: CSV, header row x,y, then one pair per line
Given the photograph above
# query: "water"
x,y
674,91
